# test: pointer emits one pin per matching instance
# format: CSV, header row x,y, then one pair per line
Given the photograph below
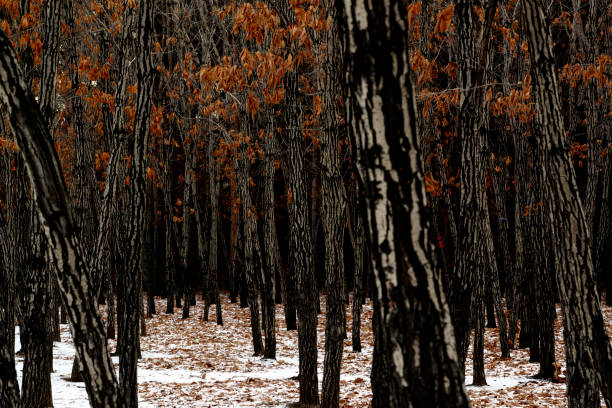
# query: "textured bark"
x,y
333,211
289,298
130,280
599,137
169,256
213,286
478,357
202,251
379,378
114,128
515,130
188,197
521,239
475,257
83,175
300,258
270,249
588,349
603,250
110,303
504,231
443,202
153,245
56,219
9,387
416,333
539,280
510,261
546,314
301,270
242,165
233,244
357,240
36,335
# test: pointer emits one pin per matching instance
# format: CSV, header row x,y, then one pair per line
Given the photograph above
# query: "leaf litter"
x,y
192,363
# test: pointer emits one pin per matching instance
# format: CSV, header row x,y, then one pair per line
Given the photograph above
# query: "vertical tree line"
x,y
449,162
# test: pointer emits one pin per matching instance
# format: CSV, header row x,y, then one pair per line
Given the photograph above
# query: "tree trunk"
x,y
213,177
416,334
188,197
300,258
242,165
475,258
357,240
37,343
153,270
51,198
9,387
169,256
110,303
478,357
588,349
333,211
202,252
130,280
270,247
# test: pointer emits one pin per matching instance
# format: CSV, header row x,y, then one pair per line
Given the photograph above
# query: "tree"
x,y
9,387
51,197
36,335
587,347
410,306
131,278
475,257
333,208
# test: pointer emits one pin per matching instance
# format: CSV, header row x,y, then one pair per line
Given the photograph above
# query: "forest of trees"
x,y
447,160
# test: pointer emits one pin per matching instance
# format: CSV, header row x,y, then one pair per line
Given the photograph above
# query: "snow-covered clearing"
x,y
191,363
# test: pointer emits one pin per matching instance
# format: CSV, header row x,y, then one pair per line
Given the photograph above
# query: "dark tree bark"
x,y
587,347
270,248
333,211
213,180
416,334
83,176
475,257
200,218
242,166
289,298
357,241
300,232
9,387
599,137
36,335
478,377
241,281
169,256
51,198
300,258
153,266
188,197
381,366
110,300
130,280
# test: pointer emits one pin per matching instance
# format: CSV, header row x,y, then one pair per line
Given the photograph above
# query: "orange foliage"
x,y
445,18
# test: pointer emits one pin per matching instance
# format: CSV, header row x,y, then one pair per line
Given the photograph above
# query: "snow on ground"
x,y
191,363
510,381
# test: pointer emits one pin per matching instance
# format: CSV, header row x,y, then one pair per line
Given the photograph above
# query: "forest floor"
x,y
191,363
